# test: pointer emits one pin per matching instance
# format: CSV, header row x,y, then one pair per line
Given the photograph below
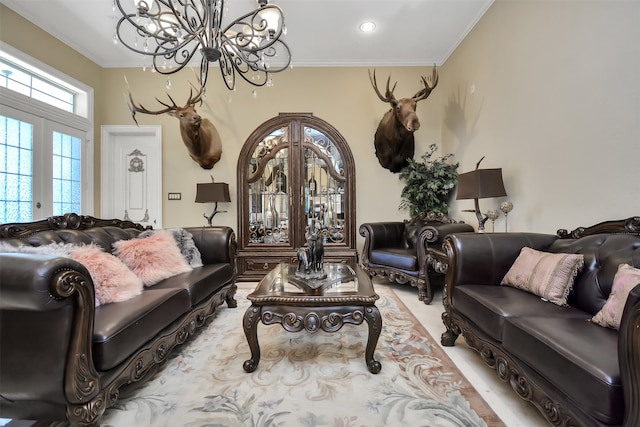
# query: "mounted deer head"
x,y
394,140
199,135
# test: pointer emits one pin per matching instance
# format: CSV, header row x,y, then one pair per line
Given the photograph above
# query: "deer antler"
x,y
139,108
388,97
198,97
429,83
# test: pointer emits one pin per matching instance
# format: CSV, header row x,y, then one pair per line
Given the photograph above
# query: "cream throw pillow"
x,y
548,275
610,315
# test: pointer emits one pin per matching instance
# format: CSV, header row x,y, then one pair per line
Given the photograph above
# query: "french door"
x,y
44,167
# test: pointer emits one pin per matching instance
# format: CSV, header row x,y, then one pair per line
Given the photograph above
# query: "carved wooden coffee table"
x,y
345,296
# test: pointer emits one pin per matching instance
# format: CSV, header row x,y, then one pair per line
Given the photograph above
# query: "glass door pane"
x,y
67,176
269,191
324,187
16,170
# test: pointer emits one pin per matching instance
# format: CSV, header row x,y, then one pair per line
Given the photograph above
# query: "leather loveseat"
x,y
61,356
576,372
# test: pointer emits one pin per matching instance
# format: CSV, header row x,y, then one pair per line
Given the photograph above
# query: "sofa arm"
x,y
47,305
484,258
216,244
629,357
435,234
26,281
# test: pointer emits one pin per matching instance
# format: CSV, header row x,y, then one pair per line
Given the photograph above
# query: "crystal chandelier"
x,y
172,31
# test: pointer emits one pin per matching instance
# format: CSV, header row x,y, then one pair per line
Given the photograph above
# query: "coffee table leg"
x,y
250,325
374,320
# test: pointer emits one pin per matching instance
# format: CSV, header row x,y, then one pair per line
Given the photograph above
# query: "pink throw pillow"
x,y
610,315
152,258
112,280
548,275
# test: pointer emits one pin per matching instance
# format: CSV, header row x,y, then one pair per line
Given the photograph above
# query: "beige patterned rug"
x,y
306,379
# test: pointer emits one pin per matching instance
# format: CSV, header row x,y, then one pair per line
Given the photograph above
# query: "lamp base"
x,y
481,219
210,217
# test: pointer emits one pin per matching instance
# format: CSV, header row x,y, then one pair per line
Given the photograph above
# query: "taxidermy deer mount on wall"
x,y
394,140
199,135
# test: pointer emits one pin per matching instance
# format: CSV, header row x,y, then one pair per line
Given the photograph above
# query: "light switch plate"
x,y
175,196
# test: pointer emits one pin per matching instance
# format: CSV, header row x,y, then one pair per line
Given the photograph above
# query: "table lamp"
x,y
212,192
480,184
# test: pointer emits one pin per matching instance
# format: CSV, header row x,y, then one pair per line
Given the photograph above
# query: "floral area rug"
x,y
306,379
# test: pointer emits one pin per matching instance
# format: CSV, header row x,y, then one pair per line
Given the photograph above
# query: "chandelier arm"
x,y
204,71
149,14
255,60
243,67
157,51
257,26
165,69
228,78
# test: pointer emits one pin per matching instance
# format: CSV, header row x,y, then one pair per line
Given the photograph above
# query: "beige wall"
x,y
22,35
556,105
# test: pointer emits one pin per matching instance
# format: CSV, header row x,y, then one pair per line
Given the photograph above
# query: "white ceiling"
x,y
320,32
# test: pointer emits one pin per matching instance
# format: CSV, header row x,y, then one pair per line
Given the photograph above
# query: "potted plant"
x,y
428,183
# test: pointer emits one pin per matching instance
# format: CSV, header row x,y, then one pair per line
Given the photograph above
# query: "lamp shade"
x,y
481,184
212,192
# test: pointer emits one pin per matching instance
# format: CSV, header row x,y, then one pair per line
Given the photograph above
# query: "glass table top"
x,y
342,282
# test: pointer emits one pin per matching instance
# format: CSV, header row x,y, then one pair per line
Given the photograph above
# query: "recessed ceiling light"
x,y
367,27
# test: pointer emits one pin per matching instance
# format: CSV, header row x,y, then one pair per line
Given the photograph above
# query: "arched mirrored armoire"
x,y
296,175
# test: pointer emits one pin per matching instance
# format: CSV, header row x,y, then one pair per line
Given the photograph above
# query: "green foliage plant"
x,y
428,183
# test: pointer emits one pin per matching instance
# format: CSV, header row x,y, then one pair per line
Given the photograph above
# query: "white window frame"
x,y
81,120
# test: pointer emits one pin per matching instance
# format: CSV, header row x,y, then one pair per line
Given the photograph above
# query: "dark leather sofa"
x,y
399,250
62,357
574,371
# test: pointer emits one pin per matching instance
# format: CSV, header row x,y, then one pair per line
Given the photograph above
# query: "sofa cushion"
x,y
153,258
579,358
625,279
102,236
547,275
201,282
403,259
489,306
122,327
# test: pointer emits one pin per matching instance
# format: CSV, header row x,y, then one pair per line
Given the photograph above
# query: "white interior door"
x,y
131,184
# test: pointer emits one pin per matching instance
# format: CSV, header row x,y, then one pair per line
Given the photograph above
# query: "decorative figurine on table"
x,y
311,259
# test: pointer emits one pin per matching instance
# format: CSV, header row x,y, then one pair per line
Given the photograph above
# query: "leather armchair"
x,y
403,251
